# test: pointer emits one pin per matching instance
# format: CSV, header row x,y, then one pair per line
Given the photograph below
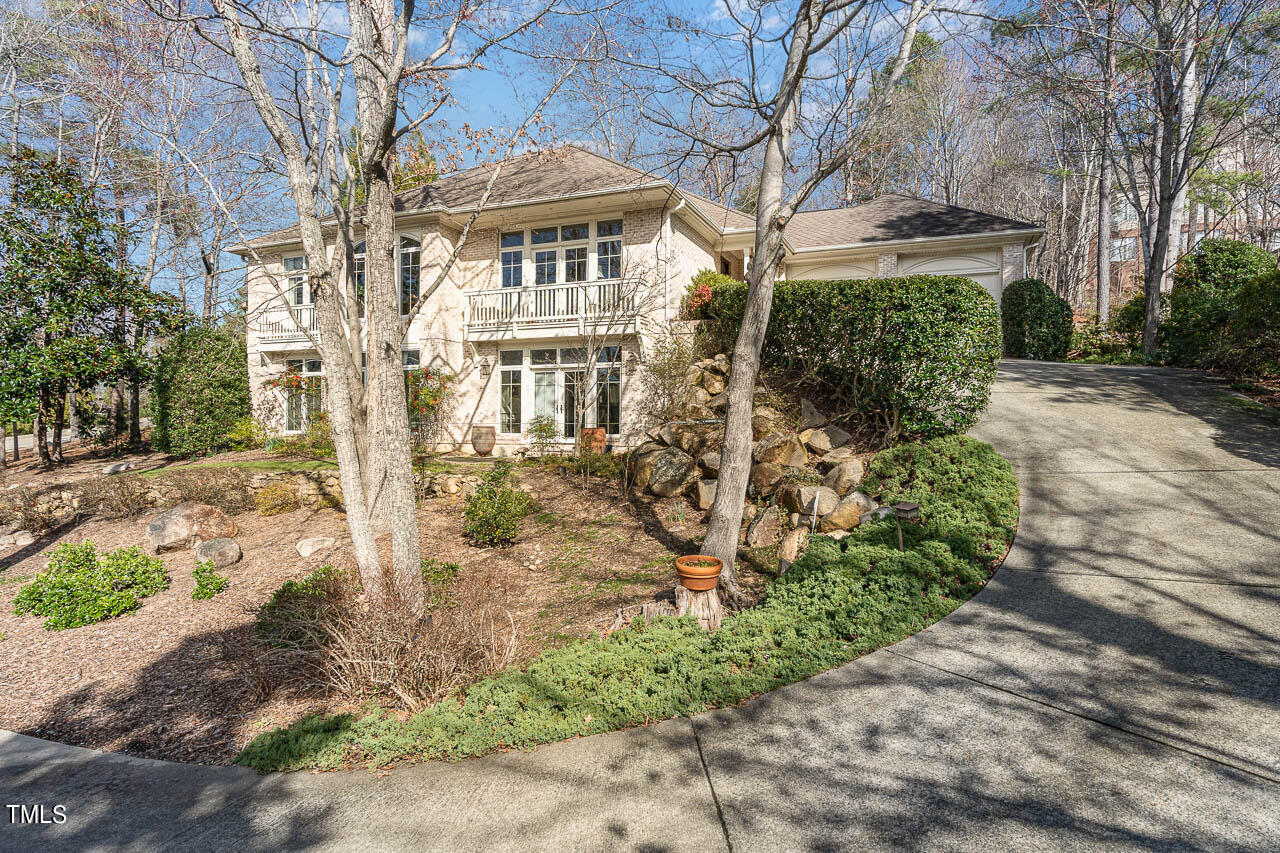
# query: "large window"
x,y
295,276
302,392
609,252
357,273
410,272
512,259
1124,248
512,389
562,254
609,400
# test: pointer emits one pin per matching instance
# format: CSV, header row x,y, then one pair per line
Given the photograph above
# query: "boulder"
x,y
765,530
878,514
844,477
781,450
222,552
810,417
749,512
826,439
704,493
766,421
710,464
314,545
187,524
713,382
838,455
671,473
765,477
693,375
793,544
720,364
717,402
802,499
23,538
117,468
848,513
641,464
694,437
699,395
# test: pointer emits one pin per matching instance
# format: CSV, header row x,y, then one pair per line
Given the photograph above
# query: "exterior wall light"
x,y
486,366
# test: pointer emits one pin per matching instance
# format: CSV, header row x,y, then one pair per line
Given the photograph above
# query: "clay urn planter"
x,y
698,572
483,438
593,439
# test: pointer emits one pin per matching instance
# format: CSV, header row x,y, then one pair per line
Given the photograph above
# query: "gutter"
x,y
908,241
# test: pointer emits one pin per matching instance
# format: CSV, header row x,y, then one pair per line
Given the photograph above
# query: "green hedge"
x,y
840,600
1206,290
919,352
1253,337
1036,321
201,391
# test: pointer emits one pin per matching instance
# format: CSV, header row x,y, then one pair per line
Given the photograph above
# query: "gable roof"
x,y
570,171
892,217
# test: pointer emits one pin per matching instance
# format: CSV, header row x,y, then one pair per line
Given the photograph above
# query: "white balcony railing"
x,y
610,305
276,325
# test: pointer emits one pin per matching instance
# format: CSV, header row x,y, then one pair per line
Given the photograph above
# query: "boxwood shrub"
x,y
840,600
1206,290
1036,321
918,353
80,587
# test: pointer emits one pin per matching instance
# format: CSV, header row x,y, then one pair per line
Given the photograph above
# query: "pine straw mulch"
x,y
181,679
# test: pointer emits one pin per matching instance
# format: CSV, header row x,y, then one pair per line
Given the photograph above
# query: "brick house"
x,y
577,257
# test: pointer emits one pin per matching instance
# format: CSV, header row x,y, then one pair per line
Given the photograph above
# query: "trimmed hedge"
x,y
840,600
918,353
1206,290
1037,322
1253,339
201,391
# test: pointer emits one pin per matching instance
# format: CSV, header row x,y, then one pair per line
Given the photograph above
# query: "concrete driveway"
x,y
1116,686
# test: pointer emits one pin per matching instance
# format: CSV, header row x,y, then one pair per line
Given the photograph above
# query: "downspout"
x,y
666,267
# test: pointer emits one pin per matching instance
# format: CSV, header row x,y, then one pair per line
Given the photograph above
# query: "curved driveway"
x,y
1117,685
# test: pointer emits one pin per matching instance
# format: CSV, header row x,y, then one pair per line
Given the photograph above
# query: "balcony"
x,y
275,329
555,310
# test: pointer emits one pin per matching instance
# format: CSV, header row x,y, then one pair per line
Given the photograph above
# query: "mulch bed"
x,y
177,678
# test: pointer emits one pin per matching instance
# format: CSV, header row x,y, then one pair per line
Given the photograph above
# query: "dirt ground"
x,y
174,679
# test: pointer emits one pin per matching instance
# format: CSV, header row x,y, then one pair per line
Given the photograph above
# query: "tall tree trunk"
x,y
1104,172
208,261
59,423
39,433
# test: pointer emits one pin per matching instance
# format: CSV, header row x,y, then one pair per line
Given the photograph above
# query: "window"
x,y
608,355
1124,248
411,359
512,387
575,264
410,272
542,236
296,281
509,357
724,266
544,267
511,260
302,392
357,273
609,252
573,355
542,356
608,400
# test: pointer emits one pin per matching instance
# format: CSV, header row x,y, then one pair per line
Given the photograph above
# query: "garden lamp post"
x,y
905,511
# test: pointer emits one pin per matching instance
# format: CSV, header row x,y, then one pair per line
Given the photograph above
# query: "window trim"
x,y
527,264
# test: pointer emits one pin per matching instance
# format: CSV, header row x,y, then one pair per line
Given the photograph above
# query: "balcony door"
x,y
557,393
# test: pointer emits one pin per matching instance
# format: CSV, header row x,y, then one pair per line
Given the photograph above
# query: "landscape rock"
x,y
838,455
23,538
710,463
793,544
699,395
694,437
314,545
877,514
693,375
186,524
720,363
717,402
749,512
642,466
826,439
765,477
801,498
844,477
765,530
848,513
671,472
117,468
714,383
222,552
704,493
781,450
766,420
810,417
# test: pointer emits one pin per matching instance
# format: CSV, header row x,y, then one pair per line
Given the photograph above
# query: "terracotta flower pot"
x,y
698,572
483,439
593,439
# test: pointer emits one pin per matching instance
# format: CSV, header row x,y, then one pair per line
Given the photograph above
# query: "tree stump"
x,y
704,606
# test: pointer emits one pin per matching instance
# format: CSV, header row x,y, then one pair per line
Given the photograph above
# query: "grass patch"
x,y
841,600
1248,406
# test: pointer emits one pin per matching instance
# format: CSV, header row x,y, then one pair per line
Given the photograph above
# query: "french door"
x,y
557,393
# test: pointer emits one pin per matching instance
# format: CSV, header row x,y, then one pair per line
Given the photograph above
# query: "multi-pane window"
x,y
1124,248
512,258
410,272
544,267
609,400
609,252
512,391
295,275
575,264
357,273
302,392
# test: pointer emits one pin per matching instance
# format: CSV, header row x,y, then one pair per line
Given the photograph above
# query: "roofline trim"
x,y
906,241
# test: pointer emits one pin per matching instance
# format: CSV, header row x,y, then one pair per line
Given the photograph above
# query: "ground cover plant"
x,y
80,587
208,582
840,600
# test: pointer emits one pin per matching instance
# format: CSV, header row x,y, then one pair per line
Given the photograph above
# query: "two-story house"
x,y
576,254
